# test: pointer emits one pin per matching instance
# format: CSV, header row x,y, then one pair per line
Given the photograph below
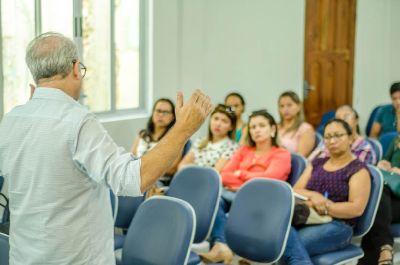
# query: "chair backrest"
x,y
127,208
4,249
324,119
201,188
187,147
161,233
385,140
1,182
372,118
366,220
298,164
114,204
318,140
259,220
377,147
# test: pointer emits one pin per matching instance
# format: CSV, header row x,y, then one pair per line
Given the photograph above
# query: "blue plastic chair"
x,y
126,210
298,164
1,182
161,233
4,249
377,147
324,119
385,140
371,118
259,220
201,188
364,223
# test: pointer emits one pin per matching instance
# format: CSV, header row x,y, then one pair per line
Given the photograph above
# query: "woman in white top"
x,y
161,120
215,150
295,134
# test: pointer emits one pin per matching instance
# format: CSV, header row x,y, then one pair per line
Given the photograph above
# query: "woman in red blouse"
x,y
260,158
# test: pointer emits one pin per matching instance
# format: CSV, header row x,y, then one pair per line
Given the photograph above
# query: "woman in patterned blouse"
x,y
217,148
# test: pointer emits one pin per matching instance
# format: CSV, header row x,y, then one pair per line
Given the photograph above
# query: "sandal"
x,y
387,261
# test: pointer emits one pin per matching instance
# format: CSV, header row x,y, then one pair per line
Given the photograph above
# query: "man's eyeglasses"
x,y
336,136
82,68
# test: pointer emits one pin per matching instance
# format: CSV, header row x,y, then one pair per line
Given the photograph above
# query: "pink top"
x,y
246,165
291,140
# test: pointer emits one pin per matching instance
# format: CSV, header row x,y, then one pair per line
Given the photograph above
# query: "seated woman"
x,y
261,158
215,150
378,242
388,117
338,186
295,134
237,103
360,147
161,120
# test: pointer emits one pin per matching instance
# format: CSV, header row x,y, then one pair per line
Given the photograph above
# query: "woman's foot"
x,y
386,256
220,252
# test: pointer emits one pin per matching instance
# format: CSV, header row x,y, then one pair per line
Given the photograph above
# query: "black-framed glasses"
x,y
82,68
335,136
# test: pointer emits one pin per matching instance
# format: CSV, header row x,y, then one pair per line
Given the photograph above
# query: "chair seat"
x,y
395,229
119,241
351,252
194,259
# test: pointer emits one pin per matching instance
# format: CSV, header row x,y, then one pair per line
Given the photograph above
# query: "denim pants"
x,y
218,230
313,240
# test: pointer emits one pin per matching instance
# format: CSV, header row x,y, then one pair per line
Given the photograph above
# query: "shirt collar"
x,y
52,93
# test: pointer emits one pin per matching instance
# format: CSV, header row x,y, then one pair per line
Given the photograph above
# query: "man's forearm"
x,y
155,163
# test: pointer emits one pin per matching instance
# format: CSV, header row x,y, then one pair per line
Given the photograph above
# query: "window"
x,y
110,35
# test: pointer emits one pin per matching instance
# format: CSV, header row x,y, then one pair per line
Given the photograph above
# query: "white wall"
x,y
376,35
257,48
254,47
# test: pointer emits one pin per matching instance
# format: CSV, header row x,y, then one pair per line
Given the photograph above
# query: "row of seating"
x,y
260,239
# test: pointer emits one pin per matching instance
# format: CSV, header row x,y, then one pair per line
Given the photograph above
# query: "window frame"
x,y
145,59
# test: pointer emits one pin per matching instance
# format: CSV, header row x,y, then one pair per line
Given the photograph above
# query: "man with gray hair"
x,y
60,163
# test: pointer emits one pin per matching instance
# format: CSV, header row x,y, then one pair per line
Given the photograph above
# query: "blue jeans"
x,y
218,230
313,240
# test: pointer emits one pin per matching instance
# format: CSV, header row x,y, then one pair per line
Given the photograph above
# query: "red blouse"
x,y
246,165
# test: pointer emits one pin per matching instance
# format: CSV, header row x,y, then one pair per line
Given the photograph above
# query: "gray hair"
x,y
50,54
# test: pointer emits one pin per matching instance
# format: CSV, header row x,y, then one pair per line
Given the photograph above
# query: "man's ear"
x,y
76,72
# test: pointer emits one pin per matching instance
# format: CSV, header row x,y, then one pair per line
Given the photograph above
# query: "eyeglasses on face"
x,y
162,112
82,68
335,136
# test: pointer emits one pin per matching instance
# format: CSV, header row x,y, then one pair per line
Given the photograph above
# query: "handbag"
x,y
304,215
392,180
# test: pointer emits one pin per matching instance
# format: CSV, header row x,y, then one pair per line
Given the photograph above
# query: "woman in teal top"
x,y
237,103
388,117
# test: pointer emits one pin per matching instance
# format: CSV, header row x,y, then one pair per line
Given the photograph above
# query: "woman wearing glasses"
x,y
295,134
338,186
360,147
217,148
260,158
161,120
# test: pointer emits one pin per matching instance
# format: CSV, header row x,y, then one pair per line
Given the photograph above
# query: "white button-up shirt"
x,y
60,163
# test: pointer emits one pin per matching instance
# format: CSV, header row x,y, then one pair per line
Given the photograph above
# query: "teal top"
x,y
239,134
393,153
386,117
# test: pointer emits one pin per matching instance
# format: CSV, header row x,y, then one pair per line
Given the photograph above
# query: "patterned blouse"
x,y
335,184
209,155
